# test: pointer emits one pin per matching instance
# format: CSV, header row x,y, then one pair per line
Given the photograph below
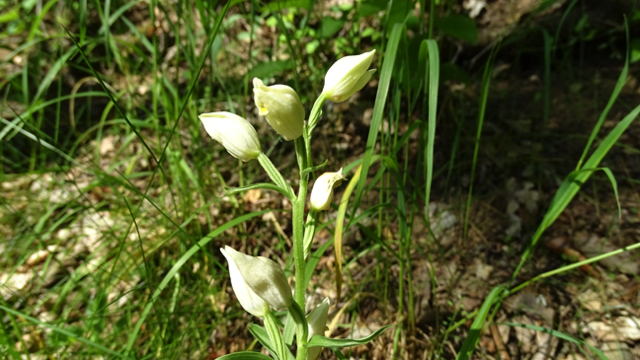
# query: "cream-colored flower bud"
x,y
347,76
317,322
233,132
249,300
322,192
257,282
282,108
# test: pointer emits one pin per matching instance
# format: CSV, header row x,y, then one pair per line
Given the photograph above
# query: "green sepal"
x,y
342,343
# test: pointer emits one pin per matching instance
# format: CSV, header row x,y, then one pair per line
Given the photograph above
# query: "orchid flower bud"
x,y
282,107
322,191
233,132
347,76
259,283
317,322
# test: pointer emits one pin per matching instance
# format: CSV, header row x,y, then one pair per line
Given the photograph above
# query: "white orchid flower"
x,y
347,76
233,132
259,283
281,106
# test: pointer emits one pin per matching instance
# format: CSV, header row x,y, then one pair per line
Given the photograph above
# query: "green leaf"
x,y
284,4
267,69
451,71
475,332
261,335
312,46
370,7
635,50
458,26
65,332
572,183
398,13
330,26
181,262
341,343
268,186
428,132
9,15
379,107
245,355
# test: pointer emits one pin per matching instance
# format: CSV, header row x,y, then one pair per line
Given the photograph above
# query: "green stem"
x,y
298,230
303,155
298,245
271,325
302,330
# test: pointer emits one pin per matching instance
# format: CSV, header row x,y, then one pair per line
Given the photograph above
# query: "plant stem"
x,y
302,332
303,155
298,229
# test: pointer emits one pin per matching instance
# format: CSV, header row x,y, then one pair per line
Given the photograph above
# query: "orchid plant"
x,y
259,283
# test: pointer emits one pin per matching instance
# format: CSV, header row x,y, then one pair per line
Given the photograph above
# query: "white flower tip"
x,y
347,76
257,83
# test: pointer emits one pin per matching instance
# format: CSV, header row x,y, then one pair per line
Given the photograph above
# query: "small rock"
x,y
9,286
590,300
106,145
251,196
616,351
483,270
525,336
627,328
37,257
575,357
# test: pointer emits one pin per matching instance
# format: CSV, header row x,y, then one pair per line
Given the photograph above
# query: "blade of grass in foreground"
x,y
337,236
475,332
573,182
183,259
486,80
379,107
433,79
562,336
64,332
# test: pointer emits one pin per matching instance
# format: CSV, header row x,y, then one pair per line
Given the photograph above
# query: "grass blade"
x,y
486,80
429,132
65,332
573,182
476,328
560,335
379,107
337,237
183,259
